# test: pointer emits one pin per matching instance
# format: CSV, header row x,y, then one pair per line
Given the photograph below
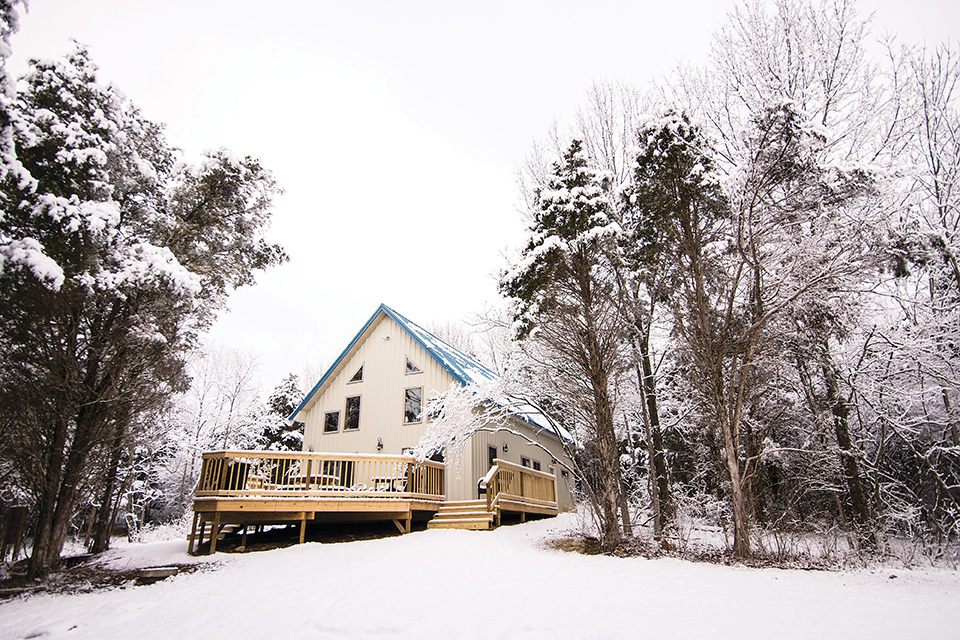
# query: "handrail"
x,y
507,480
277,474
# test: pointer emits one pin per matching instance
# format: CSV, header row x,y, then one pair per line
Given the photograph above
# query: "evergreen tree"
x,y
280,434
566,310
138,252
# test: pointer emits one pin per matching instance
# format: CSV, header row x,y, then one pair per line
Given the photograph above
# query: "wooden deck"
x,y
243,488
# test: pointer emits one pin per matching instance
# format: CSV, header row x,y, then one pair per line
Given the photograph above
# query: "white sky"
x,y
395,128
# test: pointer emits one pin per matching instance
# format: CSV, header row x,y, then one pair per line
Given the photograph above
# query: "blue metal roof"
x,y
464,369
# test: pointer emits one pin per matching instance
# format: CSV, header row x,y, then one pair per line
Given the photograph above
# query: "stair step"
x,y
463,523
456,517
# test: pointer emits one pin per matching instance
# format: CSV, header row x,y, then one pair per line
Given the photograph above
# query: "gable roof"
x,y
464,369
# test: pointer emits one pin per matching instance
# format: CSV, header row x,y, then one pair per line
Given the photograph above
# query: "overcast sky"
x,y
395,128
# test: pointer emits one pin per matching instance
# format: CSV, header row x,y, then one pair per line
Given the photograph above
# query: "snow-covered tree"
x,y
278,433
566,309
139,250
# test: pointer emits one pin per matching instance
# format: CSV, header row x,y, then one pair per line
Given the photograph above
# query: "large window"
x,y
352,421
412,405
331,421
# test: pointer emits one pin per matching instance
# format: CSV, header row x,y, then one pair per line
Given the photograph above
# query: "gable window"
x,y
412,368
331,421
352,412
357,377
412,405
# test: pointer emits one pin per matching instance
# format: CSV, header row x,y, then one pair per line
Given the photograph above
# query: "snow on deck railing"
x,y
294,474
509,481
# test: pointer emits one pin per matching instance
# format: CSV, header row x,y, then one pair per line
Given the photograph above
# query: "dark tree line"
x,y
773,252
116,256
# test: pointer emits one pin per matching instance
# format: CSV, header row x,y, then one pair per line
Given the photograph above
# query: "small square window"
x,y
352,421
525,462
358,376
536,465
412,405
331,421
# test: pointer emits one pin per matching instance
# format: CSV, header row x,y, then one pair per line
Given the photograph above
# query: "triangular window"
x,y
358,376
412,368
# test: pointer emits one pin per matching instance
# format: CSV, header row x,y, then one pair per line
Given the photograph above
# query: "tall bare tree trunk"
x,y
106,516
659,462
848,459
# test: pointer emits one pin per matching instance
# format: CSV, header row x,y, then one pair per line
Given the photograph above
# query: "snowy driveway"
x,y
499,584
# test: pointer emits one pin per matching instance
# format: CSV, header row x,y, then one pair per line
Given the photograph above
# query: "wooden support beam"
x,y
303,527
193,532
403,522
214,533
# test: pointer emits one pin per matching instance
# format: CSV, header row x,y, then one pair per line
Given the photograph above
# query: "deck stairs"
x,y
465,514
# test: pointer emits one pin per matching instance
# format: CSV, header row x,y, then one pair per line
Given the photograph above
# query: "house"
x,y
371,401
361,419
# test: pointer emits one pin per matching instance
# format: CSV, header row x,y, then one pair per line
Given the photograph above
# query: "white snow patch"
x,y
478,584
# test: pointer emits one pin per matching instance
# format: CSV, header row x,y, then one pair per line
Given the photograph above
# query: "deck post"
x,y
215,533
303,526
193,533
243,543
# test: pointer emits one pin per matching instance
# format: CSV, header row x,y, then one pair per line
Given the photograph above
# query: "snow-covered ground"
x,y
497,584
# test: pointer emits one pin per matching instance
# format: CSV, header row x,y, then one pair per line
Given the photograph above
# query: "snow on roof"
x,y
464,369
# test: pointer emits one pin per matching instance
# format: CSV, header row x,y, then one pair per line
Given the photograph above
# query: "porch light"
x,y
505,447
379,444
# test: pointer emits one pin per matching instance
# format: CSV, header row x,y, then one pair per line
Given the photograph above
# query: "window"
x,y
412,368
412,405
536,465
331,421
357,377
352,421
525,462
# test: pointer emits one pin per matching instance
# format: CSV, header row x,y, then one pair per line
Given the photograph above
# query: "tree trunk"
x,y
652,472
741,526
753,475
851,468
105,516
659,462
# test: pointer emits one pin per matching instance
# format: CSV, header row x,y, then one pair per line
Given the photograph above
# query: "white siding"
x,y
383,353
383,356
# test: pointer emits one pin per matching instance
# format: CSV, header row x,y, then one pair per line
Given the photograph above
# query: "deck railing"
x,y
509,481
285,474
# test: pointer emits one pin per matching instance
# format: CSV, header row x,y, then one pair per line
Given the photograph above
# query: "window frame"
x,y
410,363
326,415
420,412
346,413
525,462
360,379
